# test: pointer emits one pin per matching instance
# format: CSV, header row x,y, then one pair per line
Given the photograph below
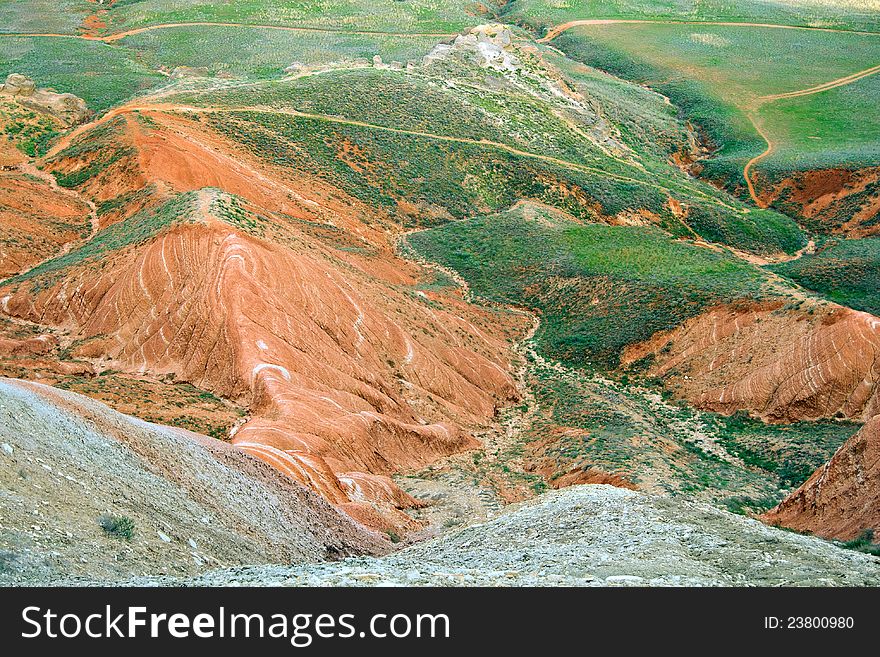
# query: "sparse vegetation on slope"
x,y
845,271
100,74
30,132
791,451
135,230
255,53
598,288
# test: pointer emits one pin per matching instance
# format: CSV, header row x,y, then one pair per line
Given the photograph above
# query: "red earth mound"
x,y
780,364
835,200
579,476
37,219
842,498
348,376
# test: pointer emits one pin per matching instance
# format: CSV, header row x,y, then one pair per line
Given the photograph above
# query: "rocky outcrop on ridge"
x,y
67,108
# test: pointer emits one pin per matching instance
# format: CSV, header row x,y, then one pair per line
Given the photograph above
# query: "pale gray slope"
x,y
591,535
197,503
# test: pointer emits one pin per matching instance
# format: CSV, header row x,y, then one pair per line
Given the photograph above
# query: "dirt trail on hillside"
x,y
29,168
819,88
554,32
825,86
551,34
117,36
171,107
751,163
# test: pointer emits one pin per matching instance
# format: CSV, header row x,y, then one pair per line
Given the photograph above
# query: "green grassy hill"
x,y
719,76
385,136
843,14
598,288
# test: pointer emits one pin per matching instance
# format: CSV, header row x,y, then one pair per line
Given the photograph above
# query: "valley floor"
x,y
591,535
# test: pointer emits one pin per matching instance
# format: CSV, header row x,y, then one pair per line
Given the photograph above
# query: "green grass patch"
x,y
38,16
598,288
844,14
100,74
864,542
845,271
790,451
838,128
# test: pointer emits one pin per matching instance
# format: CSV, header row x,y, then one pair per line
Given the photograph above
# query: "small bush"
x,y
120,527
864,543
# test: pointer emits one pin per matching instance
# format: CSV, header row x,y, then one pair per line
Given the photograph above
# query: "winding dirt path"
x,y
761,100
747,170
116,36
554,32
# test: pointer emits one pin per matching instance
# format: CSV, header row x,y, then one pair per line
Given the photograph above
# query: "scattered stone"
x,y
7,448
165,538
625,579
189,72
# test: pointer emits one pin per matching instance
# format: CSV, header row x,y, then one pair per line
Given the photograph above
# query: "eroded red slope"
x,y
777,362
349,376
37,219
840,499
